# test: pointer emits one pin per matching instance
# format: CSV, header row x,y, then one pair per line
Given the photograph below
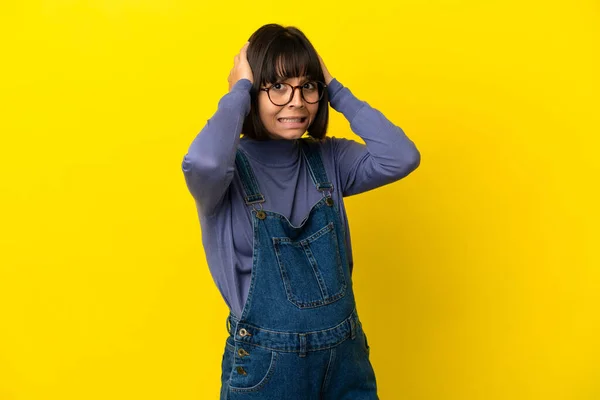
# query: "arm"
x,y
388,155
209,164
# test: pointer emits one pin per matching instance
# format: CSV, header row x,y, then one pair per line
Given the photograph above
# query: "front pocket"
x,y
311,269
252,368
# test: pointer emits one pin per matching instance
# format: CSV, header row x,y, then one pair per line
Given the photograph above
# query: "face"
x,y
290,121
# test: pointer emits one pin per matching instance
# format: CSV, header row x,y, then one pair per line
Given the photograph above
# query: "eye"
x,y
310,86
278,87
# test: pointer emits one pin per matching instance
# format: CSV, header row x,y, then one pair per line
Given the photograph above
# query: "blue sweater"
x,y
225,219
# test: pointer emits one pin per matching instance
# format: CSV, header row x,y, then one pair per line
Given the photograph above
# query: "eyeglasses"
x,y
281,94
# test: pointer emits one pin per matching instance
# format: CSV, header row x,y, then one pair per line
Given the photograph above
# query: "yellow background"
x,y
477,277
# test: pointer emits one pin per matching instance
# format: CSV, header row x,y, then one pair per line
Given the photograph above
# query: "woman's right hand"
x,y
241,68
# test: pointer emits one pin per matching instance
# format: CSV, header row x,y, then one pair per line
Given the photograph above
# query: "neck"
x,y
272,152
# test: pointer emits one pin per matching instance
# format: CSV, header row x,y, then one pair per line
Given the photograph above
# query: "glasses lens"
x,y
312,91
280,93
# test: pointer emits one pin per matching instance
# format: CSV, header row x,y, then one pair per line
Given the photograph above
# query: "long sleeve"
x,y
387,155
209,164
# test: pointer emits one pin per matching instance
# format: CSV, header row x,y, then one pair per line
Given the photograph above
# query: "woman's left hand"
x,y
328,77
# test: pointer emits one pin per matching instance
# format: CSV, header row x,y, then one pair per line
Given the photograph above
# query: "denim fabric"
x,y
299,336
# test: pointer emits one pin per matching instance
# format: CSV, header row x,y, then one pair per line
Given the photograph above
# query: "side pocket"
x,y
252,367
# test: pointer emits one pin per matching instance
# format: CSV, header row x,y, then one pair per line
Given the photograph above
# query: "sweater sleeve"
x,y
209,164
387,155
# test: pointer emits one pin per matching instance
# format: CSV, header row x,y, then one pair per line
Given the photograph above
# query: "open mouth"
x,y
300,120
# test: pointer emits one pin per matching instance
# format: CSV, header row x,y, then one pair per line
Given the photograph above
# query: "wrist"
x,y
334,87
243,84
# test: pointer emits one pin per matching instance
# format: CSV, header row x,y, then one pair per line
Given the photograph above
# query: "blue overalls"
x,y
299,336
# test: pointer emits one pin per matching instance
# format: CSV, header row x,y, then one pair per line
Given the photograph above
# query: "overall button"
x,y
241,370
243,353
243,332
261,214
329,201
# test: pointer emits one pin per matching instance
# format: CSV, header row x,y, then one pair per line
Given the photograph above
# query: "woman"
x,y
274,226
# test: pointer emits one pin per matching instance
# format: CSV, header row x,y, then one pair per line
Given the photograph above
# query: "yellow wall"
x,y
477,277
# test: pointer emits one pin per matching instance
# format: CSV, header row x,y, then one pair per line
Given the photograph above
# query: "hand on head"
x,y
241,68
328,77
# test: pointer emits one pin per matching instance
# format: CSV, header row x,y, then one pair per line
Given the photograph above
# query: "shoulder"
x,y
343,153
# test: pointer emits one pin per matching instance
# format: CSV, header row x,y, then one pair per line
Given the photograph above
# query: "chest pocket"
x,y
311,269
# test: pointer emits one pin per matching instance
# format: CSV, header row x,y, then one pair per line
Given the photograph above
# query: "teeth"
x,y
291,119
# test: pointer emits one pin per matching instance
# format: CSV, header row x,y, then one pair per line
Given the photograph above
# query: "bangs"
x,y
287,57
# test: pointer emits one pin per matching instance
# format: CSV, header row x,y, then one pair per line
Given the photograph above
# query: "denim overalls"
x,y
299,336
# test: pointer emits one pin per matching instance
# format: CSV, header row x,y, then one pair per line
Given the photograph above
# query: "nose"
x,y
297,100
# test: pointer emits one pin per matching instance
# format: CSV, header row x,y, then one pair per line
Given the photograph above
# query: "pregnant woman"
x,y
274,228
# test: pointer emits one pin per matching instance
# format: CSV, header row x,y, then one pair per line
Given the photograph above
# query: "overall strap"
x,y
312,153
249,182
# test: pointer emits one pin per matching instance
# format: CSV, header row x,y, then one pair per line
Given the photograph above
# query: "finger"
x,y
244,48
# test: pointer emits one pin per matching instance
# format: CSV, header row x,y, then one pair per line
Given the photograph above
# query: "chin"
x,y
289,135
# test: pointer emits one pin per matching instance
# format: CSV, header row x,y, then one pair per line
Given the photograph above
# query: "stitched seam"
x,y
263,381
295,333
312,349
315,270
323,231
282,270
327,374
255,244
326,297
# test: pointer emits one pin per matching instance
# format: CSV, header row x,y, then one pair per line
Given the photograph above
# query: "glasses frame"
x,y
294,92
